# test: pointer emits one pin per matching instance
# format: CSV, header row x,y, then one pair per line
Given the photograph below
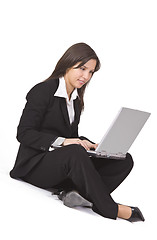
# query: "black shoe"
x,y
136,215
74,199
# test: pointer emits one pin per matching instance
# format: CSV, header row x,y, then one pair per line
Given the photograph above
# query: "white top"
x,y
62,92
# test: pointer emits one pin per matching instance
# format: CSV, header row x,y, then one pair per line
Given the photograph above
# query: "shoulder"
x,y
43,91
45,88
48,86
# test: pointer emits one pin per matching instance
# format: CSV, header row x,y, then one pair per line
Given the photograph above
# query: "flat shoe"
x,y
74,199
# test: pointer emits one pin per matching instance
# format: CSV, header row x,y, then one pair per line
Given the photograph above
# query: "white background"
x,y
34,35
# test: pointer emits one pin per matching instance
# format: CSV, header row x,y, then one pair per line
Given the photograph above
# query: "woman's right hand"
x,y
86,144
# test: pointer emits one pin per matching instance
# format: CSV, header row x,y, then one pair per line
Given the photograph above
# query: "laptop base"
x,y
106,155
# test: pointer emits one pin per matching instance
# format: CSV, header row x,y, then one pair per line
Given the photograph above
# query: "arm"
x,y
29,132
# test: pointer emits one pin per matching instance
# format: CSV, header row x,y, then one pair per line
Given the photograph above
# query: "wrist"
x,y
58,142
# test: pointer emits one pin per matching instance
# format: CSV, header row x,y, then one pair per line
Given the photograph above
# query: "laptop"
x,y
121,134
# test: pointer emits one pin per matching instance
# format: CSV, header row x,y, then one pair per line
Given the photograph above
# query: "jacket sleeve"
x,y
28,132
84,138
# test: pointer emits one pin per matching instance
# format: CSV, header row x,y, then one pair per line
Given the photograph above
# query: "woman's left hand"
x,y
88,145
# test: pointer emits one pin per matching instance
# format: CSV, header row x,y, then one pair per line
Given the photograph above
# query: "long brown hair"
x,y
79,52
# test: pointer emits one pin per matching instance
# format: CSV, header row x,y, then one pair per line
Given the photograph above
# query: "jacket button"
x,y
43,148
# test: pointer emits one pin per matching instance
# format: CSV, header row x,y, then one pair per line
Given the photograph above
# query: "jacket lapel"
x,y
65,111
77,110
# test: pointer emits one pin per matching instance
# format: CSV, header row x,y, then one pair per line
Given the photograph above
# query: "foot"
x,y
74,199
136,215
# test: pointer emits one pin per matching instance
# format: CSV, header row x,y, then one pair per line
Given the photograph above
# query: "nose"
x,y
86,75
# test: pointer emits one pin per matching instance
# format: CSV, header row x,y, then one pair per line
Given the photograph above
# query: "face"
x,y
77,77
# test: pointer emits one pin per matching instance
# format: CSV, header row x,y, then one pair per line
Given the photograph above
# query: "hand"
x,y
89,145
84,143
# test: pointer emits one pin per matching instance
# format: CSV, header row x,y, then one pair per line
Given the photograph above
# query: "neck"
x,y
69,88
69,93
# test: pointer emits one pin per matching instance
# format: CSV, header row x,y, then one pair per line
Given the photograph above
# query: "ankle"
x,y
124,212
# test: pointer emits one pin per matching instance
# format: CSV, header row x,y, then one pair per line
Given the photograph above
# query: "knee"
x,y
129,160
78,154
76,149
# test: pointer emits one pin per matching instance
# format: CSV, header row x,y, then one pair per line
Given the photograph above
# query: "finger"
x,y
86,146
83,144
95,145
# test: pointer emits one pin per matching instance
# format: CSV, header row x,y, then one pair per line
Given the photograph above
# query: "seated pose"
x,y
50,119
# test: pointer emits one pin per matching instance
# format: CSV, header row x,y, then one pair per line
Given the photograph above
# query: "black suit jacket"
x,y
45,117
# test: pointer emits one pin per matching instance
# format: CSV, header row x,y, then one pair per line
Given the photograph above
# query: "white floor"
x,y
27,212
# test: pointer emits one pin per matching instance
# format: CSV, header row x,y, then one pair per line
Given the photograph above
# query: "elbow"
x,y
19,137
21,132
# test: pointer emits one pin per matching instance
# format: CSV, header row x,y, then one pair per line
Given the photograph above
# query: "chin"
x,y
79,85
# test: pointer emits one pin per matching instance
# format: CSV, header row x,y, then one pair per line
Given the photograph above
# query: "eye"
x,y
82,68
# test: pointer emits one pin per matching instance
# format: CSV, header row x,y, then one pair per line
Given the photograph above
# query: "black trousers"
x,y
70,167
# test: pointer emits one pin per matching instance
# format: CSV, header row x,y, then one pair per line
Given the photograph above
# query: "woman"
x,y
50,119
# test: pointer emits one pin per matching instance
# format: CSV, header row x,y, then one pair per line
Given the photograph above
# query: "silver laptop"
x,y
121,134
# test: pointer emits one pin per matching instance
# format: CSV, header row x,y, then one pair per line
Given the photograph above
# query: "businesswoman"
x,y
50,119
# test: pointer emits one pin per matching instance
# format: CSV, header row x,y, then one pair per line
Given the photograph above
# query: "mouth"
x,y
81,82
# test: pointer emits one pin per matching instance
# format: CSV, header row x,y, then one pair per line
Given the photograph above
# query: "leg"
x,y
124,211
72,162
89,183
113,172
